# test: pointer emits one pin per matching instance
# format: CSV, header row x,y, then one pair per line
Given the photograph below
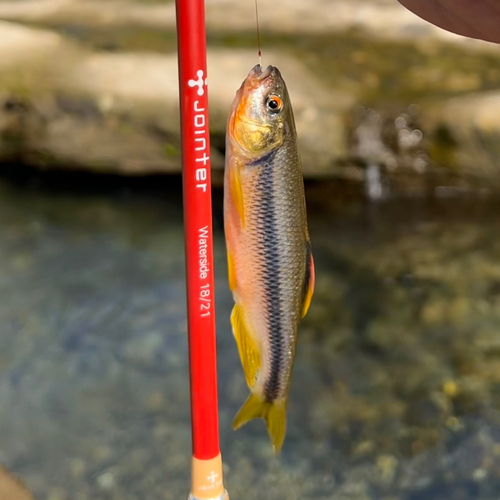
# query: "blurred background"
x,y
396,390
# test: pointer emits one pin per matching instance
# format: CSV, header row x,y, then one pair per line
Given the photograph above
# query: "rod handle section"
x,y
206,479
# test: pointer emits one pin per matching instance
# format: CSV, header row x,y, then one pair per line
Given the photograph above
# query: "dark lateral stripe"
x,y
272,288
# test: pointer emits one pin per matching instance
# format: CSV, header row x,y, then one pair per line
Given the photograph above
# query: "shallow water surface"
x,y
396,389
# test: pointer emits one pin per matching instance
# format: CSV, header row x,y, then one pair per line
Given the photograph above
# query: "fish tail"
x,y
274,414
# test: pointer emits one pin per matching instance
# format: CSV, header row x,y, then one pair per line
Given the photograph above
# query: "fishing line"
x,y
258,31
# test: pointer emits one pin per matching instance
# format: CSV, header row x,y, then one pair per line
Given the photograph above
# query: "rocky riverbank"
x,y
93,85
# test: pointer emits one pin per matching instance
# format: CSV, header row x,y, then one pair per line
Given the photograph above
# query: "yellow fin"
x,y
309,285
231,271
249,354
273,413
237,192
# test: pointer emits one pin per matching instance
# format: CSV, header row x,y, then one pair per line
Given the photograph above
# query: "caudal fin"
x,y
273,413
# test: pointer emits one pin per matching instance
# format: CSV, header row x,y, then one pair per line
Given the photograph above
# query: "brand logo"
x,y
213,477
200,82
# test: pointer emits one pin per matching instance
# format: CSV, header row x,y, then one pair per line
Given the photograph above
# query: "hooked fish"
x,y
270,263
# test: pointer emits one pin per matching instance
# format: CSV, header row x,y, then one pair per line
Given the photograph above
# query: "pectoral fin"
x,y
309,281
249,353
231,270
237,192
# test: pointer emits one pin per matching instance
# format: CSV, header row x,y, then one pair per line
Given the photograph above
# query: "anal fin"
x,y
249,353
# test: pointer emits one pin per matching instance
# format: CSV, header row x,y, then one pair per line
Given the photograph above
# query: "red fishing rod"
x,y
207,481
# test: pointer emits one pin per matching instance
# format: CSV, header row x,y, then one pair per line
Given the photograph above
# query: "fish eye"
x,y
274,103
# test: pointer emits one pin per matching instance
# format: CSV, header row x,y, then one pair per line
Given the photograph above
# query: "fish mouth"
x,y
253,81
258,74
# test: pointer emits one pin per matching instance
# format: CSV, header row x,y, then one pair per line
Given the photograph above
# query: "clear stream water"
x,y
396,389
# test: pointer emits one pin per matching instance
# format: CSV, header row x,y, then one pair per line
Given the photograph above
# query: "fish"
x,y
270,262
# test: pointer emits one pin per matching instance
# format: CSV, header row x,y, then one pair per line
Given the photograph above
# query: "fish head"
x,y
260,111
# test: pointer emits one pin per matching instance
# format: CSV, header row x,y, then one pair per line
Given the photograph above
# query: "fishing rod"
x,y
206,475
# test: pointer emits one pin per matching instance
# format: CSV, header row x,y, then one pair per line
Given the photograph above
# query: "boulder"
x,y
118,112
379,19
